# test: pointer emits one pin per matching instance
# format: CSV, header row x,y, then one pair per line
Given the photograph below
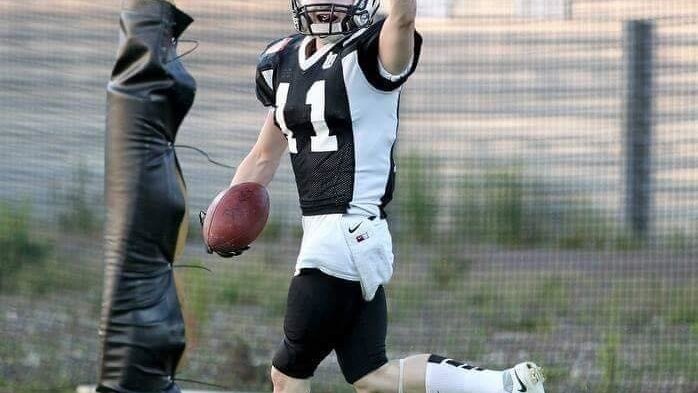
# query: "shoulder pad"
x,y
269,58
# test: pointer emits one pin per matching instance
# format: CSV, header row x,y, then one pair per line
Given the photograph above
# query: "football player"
x,y
333,91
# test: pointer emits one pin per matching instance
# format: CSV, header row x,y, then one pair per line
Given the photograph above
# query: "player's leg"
x,y
361,351
285,384
315,318
361,355
436,374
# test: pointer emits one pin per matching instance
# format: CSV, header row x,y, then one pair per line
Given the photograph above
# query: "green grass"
x,y
194,234
332,387
555,374
536,304
532,307
48,375
636,304
509,208
20,249
53,386
243,282
32,261
447,270
417,185
195,290
502,206
609,362
638,326
405,300
274,230
80,215
677,359
682,304
255,287
642,327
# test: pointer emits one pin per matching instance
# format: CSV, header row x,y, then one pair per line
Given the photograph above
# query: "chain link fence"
x,y
512,217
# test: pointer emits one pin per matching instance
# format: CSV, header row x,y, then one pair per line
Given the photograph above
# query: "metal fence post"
x,y
638,124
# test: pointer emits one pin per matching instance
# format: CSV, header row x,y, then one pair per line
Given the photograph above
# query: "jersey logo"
x,y
352,230
523,387
362,238
330,61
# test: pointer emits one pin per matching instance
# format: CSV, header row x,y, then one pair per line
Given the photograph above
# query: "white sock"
x,y
448,376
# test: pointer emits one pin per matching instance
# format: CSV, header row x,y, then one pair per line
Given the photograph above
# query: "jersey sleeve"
x,y
266,67
370,63
264,90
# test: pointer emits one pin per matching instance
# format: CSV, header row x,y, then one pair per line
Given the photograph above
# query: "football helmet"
x,y
337,18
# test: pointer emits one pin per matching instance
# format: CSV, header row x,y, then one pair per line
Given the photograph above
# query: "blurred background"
x,y
546,205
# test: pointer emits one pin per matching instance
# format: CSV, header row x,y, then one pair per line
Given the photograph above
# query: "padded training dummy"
x,y
150,93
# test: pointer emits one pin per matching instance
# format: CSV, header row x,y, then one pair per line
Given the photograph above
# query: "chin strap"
x,y
331,39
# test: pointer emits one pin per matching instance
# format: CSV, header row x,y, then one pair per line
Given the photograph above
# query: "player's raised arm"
x,y
396,47
261,163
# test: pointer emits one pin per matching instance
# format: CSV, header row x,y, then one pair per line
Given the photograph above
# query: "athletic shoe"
x,y
524,377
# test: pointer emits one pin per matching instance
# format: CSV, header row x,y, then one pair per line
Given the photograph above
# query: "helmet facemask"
x,y
339,19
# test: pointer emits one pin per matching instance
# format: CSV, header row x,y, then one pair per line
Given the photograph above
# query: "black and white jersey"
x,y
339,112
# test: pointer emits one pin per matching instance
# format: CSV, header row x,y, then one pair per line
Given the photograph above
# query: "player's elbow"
x,y
405,24
401,24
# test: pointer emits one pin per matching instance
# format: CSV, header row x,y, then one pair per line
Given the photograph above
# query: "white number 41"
x,y
322,141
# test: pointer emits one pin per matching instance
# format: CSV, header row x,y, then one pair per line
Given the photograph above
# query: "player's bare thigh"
x,y
285,384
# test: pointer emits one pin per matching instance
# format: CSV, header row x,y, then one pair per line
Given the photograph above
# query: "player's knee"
x,y
285,384
365,388
279,380
374,382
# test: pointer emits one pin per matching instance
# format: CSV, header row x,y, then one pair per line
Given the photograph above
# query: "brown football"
x,y
236,217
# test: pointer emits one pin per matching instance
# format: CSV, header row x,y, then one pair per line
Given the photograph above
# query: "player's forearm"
x,y
256,168
397,36
403,13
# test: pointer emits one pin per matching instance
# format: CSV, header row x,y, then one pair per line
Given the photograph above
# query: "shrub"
x,y
19,248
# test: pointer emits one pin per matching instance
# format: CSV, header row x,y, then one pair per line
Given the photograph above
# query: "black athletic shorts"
x,y
325,313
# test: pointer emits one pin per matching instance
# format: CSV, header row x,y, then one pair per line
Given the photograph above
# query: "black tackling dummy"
x,y
150,93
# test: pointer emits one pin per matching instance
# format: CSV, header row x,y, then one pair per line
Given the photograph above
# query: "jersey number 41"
x,y
322,141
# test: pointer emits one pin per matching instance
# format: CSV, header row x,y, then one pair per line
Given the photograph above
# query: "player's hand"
x,y
230,254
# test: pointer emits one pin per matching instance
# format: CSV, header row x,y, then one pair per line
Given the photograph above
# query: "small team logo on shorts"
x,y
362,237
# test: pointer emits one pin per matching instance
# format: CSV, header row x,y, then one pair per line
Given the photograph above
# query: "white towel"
x,y
370,246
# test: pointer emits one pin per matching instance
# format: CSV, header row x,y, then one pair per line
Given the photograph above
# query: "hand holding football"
x,y
235,218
